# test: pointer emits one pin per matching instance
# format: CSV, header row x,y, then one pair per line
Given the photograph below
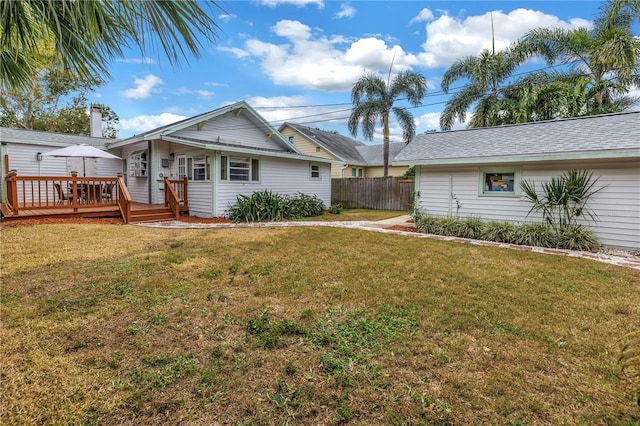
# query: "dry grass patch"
x,y
129,325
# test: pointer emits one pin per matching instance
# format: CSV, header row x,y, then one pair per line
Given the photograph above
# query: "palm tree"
x,y
86,35
373,101
485,74
609,51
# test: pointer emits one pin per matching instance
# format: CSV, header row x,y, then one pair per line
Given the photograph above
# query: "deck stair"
x,y
151,215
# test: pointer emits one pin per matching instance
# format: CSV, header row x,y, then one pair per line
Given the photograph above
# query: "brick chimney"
x,y
95,121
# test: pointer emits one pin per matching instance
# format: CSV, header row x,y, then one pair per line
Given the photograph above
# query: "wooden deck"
x,y
97,211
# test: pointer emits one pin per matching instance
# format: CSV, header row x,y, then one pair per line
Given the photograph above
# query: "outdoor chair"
x,y
107,192
62,197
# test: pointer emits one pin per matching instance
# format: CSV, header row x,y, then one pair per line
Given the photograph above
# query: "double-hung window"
x,y
239,169
500,181
138,164
314,170
194,168
356,172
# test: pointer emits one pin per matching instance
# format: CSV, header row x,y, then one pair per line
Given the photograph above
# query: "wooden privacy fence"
x,y
373,193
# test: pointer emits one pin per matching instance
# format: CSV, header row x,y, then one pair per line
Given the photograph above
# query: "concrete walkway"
x,y
613,257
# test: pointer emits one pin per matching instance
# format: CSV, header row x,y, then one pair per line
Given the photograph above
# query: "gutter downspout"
x,y
342,171
450,194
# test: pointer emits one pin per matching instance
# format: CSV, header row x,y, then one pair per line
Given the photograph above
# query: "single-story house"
x,y
22,151
222,153
354,158
477,172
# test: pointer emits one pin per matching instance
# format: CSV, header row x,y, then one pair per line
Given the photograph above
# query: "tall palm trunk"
x,y
385,144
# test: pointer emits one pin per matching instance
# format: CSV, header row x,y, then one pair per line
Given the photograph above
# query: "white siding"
x,y
231,130
22,158
617,206
282,176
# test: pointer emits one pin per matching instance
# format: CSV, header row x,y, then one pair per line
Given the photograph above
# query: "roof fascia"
x,y
589,155
212,146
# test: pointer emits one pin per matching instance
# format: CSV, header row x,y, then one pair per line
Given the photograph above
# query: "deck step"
x,y
151,215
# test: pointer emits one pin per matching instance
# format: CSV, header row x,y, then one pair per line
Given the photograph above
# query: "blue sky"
x,y
296,60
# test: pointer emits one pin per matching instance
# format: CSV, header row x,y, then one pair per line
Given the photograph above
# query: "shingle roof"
x,y
372,154
341,146
49,138
599,136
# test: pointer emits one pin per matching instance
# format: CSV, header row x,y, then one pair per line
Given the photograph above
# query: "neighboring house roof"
x,y
36,137
225,147
591,137
165,131
372,154
341,147
344,148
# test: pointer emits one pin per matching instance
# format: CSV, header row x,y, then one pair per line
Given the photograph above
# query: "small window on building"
x,y
314,171
239,169
292,140
500,181
317,149
357,172
200,168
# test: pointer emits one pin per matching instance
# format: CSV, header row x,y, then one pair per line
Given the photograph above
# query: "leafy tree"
x,y
373,101
608,51
486,74
54,100
86,35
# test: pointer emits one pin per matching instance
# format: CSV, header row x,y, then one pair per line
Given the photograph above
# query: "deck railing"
x,y
62,192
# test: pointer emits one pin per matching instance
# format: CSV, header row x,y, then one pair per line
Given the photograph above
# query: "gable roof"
x,y
373,156
591,137
37,137
167,130
346,149
341,147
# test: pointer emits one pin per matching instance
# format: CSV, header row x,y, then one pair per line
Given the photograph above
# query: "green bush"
x,y
265,205
303,205
575,237
336,208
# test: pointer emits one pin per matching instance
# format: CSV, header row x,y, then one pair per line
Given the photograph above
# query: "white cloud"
x,y
450,38
143,123
425,15
147,61
204,93
238,53
226,17
297,61
215,84
346,11
181,91
298,3
144,87
276,110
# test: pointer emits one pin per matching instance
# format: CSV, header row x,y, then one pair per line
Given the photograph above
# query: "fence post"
x,y
12,190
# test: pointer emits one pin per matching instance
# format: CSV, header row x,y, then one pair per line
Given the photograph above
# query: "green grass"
x,y
356,215
108,324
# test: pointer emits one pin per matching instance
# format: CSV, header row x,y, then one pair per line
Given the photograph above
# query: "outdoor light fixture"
x,y
39,156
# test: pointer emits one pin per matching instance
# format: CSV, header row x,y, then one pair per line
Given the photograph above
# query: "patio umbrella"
x,y
81,150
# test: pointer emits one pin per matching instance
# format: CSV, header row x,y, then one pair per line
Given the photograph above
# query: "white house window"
x,y
197,168
193,168
239,169
314,171
356,172
138,164
500,181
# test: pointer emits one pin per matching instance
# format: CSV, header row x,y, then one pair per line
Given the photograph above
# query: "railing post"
x,y
12,190
75,195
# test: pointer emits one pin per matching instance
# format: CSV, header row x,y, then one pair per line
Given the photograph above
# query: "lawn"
x,y
350,215
118,324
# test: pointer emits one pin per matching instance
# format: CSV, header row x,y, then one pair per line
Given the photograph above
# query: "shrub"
x,y
575,237
336,208
268,206
302,205
500,232
535,234
260,206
